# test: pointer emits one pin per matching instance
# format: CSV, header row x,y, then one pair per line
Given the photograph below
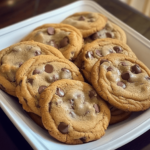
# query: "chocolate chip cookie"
x,y
13,57
100,48
123,81
110,30
117,115
87,22
66,38
73,113
37,74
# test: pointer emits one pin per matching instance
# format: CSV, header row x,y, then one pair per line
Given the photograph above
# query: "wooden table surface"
x,y
13,11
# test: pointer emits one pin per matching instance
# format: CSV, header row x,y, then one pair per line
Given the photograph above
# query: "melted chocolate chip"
x,y
30,81
64,42
83,139
92,93
118,49
2,88
60,92
103,60
37,53
94,36
49,68
41,89
89,54
63,128
65,70
124,64
136,69
36,72
51,31
98,52
108,35
121,84
109,68
125,76
96,108
81,18
52,43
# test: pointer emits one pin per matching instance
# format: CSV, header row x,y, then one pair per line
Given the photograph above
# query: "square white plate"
x,y
116,135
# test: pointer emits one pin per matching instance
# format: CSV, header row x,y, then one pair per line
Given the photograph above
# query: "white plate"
x,y
116,135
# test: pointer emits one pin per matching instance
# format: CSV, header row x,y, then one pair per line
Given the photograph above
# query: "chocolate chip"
x,y
2,88
49,68
30,81
72,103
125,76
37,53
50,106
124,64
94,36
148,78
96,108
81,18
83,139
136,69
118,49
109,68
65,70
63,128
89,54
60,92
92,93
108,35
98,52
36,72
121,84
103,60
64,42
41,89
51,31
52,43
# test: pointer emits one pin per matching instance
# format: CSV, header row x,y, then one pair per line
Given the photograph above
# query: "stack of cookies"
x,y
76,77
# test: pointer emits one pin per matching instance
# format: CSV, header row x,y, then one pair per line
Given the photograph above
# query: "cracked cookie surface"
x,y
37,74
66,38
122,81
110,30
101,47
13,57
73,113
87,22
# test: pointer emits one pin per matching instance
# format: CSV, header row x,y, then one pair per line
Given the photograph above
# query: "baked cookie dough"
x,y
110,30
73,113
87,22
13,57
123,81
66,38
117,115
37,74
98,49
